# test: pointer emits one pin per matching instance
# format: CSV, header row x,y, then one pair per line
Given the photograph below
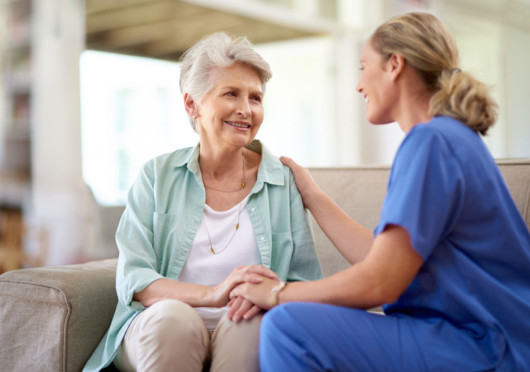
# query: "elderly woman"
x,y
450,257
196,218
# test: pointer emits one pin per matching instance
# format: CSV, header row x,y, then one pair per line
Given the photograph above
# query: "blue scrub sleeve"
x,y
425,190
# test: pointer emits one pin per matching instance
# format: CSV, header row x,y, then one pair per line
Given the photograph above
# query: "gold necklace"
x,y
232,237
243,180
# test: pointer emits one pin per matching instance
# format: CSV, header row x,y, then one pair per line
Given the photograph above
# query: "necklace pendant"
x,y
237,226
211,250
243,184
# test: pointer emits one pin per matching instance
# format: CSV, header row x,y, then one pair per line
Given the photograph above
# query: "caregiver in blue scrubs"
x,y
450,257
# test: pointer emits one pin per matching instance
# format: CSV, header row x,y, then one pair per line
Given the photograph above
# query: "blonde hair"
x,y
214,51
430,48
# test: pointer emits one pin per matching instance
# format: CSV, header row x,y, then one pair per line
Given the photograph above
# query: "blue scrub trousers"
x,y
319,337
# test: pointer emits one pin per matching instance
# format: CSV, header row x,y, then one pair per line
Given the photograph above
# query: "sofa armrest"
x,y
52,318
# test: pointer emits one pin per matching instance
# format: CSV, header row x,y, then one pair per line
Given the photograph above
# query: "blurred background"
x,y
89,92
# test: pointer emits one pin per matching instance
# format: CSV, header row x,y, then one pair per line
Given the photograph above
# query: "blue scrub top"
x,y
447,192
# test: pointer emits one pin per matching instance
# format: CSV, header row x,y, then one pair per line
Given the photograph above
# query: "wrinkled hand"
x,y
241,309
257,292
304,181
220,294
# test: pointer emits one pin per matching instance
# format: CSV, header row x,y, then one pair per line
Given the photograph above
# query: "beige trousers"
x,y
171,336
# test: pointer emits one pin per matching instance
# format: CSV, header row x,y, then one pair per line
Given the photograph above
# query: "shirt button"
x,y
262,238
253,209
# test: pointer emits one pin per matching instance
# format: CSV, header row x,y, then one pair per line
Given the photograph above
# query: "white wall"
x,y
516,73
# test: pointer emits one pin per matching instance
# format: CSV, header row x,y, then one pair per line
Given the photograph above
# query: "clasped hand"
x,y
247,290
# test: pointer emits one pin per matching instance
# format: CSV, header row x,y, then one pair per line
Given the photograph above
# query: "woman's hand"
x,y
241,308
257,292
220,294
304,181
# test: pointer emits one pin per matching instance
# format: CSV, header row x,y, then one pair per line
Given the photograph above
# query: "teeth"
x,y
238,125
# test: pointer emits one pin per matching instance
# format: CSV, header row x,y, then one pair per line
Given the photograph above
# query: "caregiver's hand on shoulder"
x,y
304,181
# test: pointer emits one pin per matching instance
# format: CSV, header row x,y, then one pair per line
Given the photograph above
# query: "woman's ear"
x,y
191,107
396,64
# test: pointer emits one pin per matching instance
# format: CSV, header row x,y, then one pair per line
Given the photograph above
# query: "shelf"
x,y
18,22
12,233
15,155
14,188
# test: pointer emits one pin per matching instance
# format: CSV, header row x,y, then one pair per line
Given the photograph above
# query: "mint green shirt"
x,y
164,210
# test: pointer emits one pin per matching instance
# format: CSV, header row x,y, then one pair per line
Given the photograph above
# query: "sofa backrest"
x,y
360,192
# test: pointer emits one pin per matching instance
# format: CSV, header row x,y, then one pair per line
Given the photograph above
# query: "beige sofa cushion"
x,y
516,173
45,313
360,192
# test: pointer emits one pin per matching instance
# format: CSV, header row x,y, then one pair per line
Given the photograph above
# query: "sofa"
x,y
52,318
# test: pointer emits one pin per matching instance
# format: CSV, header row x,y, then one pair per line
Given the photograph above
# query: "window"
x,y
132,111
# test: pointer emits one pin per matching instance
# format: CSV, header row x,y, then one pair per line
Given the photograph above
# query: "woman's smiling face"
x,y
375,85
232,111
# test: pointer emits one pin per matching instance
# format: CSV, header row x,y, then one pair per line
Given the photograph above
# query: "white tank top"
x,y
233,248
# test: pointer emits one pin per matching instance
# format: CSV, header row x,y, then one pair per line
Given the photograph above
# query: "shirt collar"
x,y
270,168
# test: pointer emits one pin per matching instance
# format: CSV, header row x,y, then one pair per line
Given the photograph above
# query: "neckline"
x,y
228,211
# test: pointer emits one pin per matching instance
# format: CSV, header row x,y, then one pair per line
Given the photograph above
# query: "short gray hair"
x,y
217,50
